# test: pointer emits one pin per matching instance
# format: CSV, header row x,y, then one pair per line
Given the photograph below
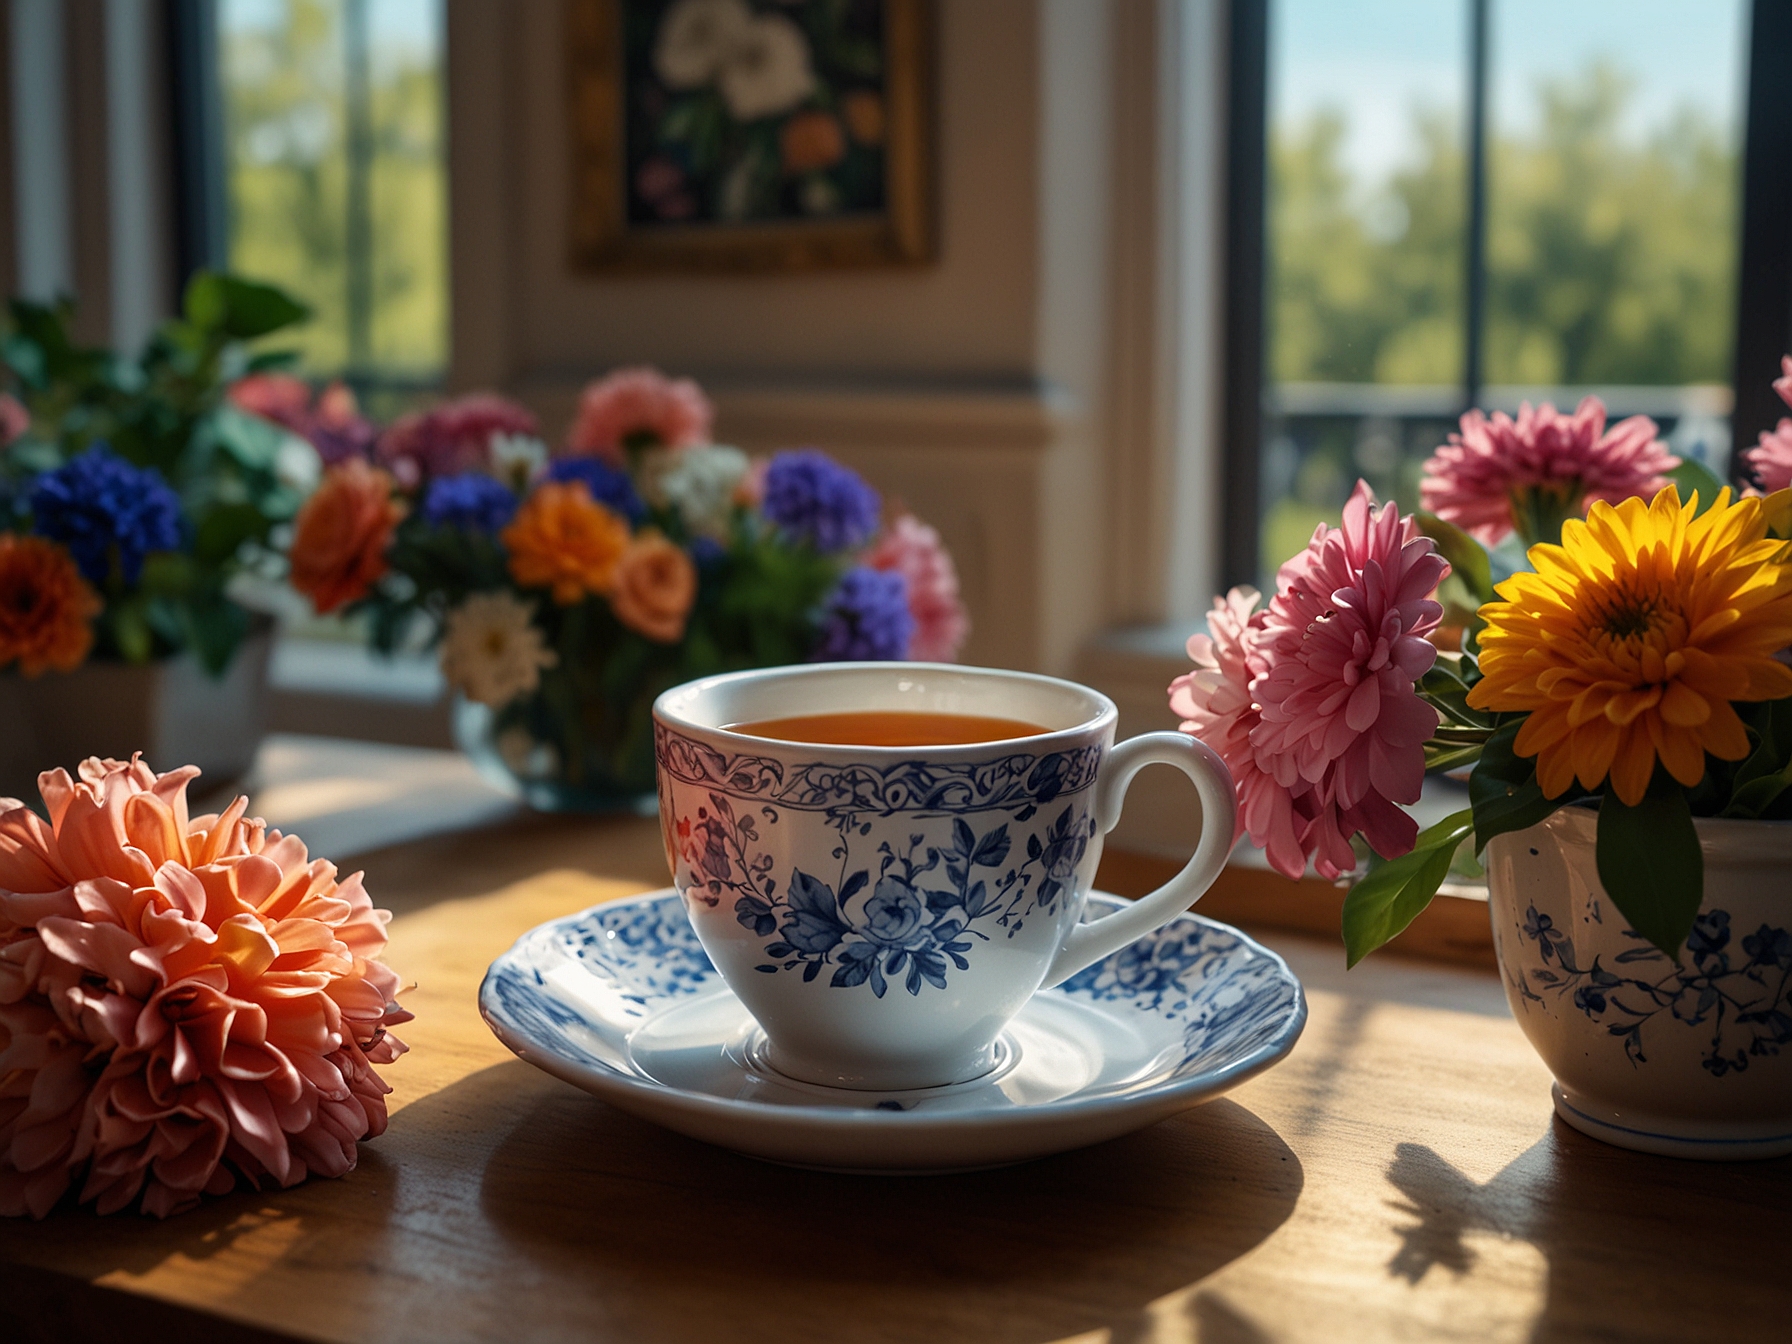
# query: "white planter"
x,y
1691,1058
172,711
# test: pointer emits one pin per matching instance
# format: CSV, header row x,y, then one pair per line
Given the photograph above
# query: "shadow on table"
x,y
1637,1246
689,1241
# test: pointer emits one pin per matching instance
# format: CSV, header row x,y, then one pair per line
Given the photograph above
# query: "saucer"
x,y
622,1001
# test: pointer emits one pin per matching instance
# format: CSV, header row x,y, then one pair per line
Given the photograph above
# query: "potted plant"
x,y
1622,705
566,590
132,493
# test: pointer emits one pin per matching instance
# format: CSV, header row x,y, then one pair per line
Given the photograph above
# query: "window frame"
x,y
1763,330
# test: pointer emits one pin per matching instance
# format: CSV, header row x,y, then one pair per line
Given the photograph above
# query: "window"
x,y
326,169
1476,204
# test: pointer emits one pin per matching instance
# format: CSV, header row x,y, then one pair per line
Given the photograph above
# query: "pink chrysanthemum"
x,y
639,408
914,550
451,438
1345,642
333,424
1215,704
1770,460
1312,703
1529,474
183,1001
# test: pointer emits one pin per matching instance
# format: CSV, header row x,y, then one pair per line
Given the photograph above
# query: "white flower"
x,y
297,465
697,482
517,459
695,38
766,68
492,650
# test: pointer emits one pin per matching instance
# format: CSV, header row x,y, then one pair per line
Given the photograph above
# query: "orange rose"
x,y
563,539
340,537
45,606
655,586
811,141
864,113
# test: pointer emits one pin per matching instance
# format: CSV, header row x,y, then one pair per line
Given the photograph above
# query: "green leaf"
x,y
1503,790
223,530
1467,557
237,308
1690,476
1394,893
1650,864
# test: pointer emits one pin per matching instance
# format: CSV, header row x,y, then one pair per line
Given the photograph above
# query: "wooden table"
x,y
1399,1177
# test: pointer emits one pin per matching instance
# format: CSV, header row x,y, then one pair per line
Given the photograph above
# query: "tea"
x,y
889,728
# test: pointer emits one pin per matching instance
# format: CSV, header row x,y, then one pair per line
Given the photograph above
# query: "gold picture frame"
x,y
607,232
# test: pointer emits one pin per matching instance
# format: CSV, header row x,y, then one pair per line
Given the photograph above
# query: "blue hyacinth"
x,y
472,501
98,504
609,486
812,498
866,618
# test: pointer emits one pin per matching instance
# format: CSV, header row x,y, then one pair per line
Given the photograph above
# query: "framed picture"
x,y
750,134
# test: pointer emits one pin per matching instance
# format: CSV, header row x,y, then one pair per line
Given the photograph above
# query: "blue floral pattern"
x,y
1202,975
578,986
1737,990
1018,781
914,918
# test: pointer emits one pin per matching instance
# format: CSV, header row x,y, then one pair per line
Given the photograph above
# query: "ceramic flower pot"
x,y
1689,1056
172,711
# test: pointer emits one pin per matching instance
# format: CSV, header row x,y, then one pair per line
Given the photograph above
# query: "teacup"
x,y
884,911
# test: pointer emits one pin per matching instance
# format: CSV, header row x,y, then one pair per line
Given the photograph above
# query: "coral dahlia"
x,y
1532,473
184,1001
1630,640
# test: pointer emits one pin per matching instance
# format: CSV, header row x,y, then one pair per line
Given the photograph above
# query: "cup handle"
x,y
1088,943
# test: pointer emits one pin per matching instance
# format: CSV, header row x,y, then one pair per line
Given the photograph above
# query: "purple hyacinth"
x,y
812,498
609,486
471,501
98,504
866,618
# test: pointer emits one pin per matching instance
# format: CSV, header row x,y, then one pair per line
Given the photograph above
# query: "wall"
x,y
974,389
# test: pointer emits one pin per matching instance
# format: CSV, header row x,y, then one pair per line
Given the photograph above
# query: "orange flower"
x,y
811,141
864,112
564,540
655,586
340,537
45,606
1632,639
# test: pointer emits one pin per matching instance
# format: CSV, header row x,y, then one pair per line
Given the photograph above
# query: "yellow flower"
x,y
564,540
1632,638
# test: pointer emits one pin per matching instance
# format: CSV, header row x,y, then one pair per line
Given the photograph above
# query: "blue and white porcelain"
x,y
622,1001
885,911
1688,1056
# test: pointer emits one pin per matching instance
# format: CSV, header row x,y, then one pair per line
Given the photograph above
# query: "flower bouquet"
x,y
567,589
185,1002
1636,668
131,491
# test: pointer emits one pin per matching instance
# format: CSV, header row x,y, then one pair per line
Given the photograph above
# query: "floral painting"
x,y
769,133
737,112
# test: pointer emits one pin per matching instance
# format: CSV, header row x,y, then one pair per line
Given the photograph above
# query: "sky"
x,y
410,24
1375,60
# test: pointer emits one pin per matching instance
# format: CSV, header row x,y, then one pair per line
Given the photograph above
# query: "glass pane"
x,y
334,171
1365,221
1613,188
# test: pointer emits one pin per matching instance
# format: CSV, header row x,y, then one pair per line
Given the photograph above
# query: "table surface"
x,y
1400,1176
